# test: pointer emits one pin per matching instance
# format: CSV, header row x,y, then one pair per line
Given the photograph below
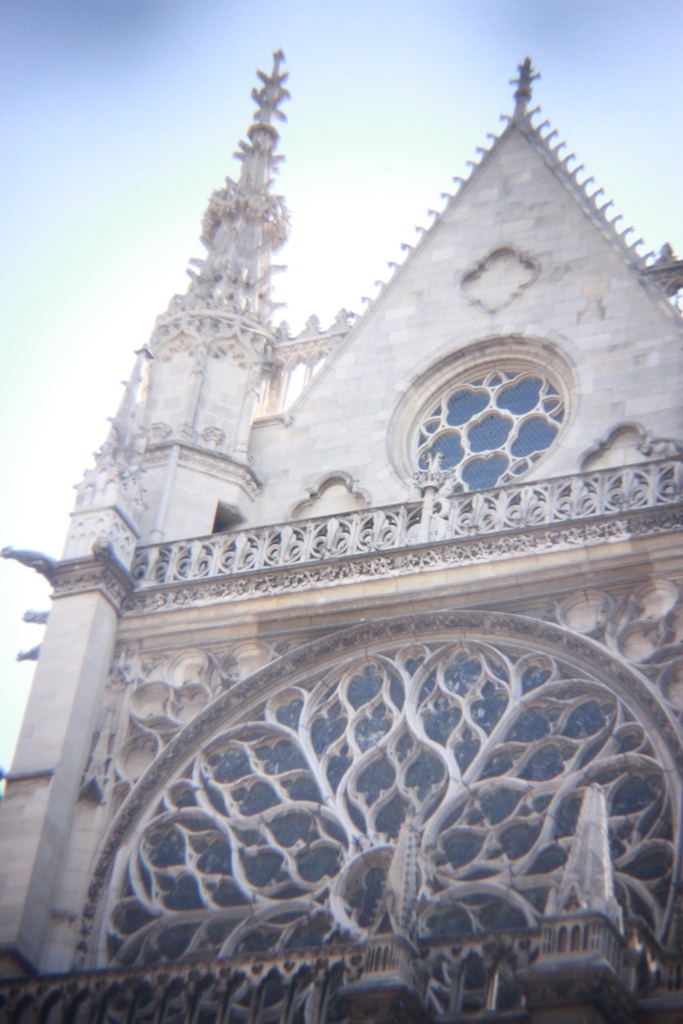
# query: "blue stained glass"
x,y
336,769
462,674
325,731
501,915
521,397
489,433
450,448
370,731
391,817
465,752
256,799
546,763
480,473
584,721
498,765
633,795
184,895
462,847
365,686
377,776
533,676
440,725
487,713
167,848
449,924
534,435
649,864
519,838
498,804
316,862
425,771
531,725
463,405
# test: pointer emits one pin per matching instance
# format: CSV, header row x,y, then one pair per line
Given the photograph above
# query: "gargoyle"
x,y
42,564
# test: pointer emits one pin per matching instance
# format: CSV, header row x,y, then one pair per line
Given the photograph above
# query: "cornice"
x,y
101,573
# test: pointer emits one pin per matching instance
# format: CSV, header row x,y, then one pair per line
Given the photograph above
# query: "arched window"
x,y
296,382
484,748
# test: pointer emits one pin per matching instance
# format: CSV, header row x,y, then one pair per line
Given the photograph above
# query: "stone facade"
x,y
362,691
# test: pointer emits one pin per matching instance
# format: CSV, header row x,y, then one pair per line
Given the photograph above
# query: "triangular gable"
x,y
594,205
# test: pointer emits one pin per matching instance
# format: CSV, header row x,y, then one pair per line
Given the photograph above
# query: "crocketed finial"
x,y
271,94
522,93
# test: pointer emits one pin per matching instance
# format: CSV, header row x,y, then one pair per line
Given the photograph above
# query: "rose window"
x,y
280,833
491,429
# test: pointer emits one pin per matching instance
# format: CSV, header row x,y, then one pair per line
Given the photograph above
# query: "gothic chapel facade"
x,y
361,695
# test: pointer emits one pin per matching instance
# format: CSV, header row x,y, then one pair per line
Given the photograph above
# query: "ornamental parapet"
x,y
490,975
614,498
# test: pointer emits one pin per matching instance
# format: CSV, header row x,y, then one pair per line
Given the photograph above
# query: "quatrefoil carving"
x,y
499,278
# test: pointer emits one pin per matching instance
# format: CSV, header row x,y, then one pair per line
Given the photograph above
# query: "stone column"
x,y
37,811
251,393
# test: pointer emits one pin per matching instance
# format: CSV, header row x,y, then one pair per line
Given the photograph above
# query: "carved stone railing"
x,y
350,981
587,496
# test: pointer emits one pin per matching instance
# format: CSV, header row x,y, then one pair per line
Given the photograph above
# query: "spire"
x,y
403,879
245,222
587,884
522,93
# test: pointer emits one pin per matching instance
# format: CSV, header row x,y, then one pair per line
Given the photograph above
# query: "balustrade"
x,y
437,518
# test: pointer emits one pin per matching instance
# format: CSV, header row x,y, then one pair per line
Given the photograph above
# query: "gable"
x,y
515,265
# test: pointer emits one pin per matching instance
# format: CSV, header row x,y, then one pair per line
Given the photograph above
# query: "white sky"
x,y
120,116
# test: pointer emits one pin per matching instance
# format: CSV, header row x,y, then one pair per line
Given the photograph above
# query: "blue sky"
x,y
118,118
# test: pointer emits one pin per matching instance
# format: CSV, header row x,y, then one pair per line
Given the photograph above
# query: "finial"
x,y
522,93
271,94
587,884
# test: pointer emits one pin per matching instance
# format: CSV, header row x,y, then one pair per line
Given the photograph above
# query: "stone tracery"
x,y
287,830
490,428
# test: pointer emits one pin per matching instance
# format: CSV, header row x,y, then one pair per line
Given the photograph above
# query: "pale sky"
x,y
119,117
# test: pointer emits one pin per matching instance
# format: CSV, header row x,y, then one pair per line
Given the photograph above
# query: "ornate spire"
x,y
522,93
245,223
403,879
588,884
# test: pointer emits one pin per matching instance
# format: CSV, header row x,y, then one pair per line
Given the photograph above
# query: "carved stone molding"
x,y
103,573
378,565
217,464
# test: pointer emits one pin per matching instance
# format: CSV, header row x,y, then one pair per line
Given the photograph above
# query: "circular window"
x,y
489,429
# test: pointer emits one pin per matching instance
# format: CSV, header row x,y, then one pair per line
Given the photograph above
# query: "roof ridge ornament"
x,y
522,93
